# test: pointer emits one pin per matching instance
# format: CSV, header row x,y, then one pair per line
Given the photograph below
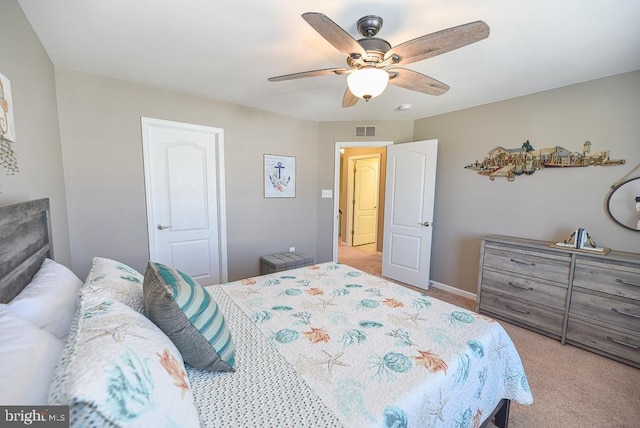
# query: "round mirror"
x,y
623,204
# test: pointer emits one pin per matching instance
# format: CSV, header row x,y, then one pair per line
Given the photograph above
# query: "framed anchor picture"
x,y
279,176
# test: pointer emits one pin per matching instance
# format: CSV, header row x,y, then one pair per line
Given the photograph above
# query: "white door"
x,y
184,178
365,200
408,217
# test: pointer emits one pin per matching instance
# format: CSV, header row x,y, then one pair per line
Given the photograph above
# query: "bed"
x,y
323,345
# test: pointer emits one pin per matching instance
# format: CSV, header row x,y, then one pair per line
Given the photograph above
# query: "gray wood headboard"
x,y
25,241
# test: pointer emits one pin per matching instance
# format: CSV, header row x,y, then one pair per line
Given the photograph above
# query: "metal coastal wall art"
x,y
526,160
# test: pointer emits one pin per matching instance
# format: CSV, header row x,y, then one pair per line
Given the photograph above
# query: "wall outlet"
x,y
292,249
327,193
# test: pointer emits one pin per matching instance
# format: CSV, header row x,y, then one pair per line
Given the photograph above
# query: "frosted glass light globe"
x,y
367,82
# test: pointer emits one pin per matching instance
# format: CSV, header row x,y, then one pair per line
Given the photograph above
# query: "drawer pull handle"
x,y
622,281
625,313
524,287
522,263
629,345
519,310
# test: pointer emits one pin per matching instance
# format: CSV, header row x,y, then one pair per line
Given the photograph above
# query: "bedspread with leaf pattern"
x,y
379,354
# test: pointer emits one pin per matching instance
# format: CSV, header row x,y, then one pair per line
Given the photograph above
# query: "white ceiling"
x,y
226,50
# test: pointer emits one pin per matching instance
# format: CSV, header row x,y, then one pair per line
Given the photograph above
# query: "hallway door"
x,y
365,200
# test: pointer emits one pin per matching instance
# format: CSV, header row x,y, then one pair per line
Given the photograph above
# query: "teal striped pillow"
x,y
189,316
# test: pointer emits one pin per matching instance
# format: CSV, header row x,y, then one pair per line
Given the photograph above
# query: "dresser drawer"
x,y
544,320
620,312
545,265
525,288
608,277
616,343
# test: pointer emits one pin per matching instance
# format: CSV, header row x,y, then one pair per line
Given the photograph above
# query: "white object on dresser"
x,y
588,300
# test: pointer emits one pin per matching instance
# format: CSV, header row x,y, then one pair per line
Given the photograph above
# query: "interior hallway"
x,y
367,259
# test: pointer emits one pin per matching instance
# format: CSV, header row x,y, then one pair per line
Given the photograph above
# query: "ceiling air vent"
x,y
365,131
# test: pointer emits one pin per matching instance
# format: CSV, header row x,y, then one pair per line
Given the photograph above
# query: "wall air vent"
x,y
365,131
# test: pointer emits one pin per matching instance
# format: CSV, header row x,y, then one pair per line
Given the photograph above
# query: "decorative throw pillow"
x,y
49,301
115,280
187,313
119,369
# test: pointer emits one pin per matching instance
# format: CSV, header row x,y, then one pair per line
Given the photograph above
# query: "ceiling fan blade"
x,y
334,34
313,73
415,81
439,42
349,99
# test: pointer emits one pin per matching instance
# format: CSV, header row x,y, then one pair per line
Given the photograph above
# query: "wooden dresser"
x,y
588,300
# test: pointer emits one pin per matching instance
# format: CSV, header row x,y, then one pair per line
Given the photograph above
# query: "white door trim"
x,y
221,204
336,182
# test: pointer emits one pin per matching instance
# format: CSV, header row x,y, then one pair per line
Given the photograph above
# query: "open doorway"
x,y
366,257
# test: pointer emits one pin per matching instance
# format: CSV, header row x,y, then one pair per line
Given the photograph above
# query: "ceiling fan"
x,y
373,62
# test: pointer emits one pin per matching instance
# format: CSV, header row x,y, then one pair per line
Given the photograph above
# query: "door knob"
x,y
162,227
426,223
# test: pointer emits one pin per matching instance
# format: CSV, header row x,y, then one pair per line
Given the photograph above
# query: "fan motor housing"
x,y
375,44
375,48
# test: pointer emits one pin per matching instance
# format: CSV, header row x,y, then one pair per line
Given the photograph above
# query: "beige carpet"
x,y
571,387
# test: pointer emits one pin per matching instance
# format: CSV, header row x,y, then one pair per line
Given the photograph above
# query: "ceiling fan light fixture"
x,y
369,58
367,82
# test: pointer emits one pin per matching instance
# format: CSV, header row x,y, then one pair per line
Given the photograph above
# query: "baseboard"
x,y
452,290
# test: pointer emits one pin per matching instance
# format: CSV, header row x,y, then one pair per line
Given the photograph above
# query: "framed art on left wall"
x,y
7,124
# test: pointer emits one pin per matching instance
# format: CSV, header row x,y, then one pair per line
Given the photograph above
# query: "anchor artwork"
x,y
279,176
526,160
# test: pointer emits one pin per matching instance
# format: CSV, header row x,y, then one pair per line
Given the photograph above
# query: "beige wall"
x,y
547,205
25,63
102,149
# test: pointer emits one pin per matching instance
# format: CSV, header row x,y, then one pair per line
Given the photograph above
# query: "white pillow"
x,y
49,301
28,356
